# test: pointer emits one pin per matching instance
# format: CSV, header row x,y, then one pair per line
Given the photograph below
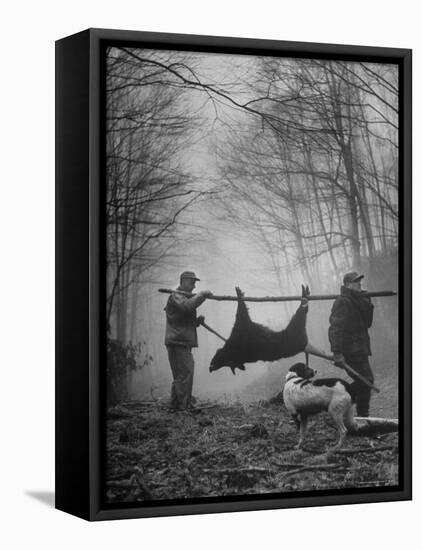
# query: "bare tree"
x,y
148,188
324,153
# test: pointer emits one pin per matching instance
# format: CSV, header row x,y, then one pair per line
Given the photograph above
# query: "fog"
x,y
260,203
225,261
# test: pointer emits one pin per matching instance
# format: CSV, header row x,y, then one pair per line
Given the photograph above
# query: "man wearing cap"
x,y
351,317
181,337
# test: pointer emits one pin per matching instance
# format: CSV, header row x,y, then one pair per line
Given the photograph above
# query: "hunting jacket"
x,y
181,319
351,316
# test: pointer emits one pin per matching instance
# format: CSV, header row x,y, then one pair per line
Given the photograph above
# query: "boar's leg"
x,y
228,355
242,313
294,339
313,350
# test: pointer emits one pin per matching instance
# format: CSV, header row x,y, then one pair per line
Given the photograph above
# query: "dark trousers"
x,y
361,365
182,366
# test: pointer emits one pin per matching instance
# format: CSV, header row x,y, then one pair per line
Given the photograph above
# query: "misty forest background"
x,y
260,172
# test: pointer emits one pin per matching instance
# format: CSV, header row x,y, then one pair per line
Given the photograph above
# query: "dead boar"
x,y
250,342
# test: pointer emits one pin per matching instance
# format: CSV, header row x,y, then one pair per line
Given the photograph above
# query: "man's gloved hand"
x,y
305,295
339,360
205,293
199,320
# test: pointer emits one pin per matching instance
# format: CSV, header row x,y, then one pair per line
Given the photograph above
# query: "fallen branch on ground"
x,y
375,483
251,470
203,408
384,436
365,450
338,467
287,464
373,425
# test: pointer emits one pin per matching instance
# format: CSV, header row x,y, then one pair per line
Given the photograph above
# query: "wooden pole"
x,y
204,324
314,297
346,367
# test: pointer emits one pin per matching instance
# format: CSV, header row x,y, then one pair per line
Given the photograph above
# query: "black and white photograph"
x,y
210,275
252,250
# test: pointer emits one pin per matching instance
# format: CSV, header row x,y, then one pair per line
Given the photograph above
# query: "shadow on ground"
x,y
45,497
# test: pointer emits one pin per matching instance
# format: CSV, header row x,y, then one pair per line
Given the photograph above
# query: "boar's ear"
x,y
240,367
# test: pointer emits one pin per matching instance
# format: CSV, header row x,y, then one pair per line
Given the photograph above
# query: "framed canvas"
x,y
231,206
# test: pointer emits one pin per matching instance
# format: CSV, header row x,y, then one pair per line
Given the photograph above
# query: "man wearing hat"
x,y
181,337
351,317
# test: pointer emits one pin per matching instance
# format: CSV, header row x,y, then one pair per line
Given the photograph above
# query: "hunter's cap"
x,y
189,275
352,277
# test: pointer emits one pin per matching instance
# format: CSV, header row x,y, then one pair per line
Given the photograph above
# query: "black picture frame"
x,y
80,326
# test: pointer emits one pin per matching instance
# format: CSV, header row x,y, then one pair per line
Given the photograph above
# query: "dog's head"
x,y
301,370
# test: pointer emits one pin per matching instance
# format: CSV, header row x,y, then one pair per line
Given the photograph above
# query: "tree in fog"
x,y
148,188
301,156
314,176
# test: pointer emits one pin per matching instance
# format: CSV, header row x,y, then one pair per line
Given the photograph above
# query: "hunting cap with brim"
x,y
352,277
189,275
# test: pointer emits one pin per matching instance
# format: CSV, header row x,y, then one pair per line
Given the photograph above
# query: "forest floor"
x,y
235,449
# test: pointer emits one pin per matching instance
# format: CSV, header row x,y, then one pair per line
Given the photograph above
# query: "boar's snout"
x,y
214,367
217,361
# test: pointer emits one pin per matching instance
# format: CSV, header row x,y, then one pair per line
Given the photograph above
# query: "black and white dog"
x,y
304,397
